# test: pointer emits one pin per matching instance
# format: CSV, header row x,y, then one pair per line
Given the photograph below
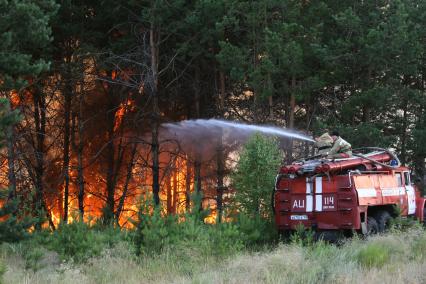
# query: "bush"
x,y
373,255
2,270
183,234
256,230
33,257
13,226
404,224
76,241
156,234
302,236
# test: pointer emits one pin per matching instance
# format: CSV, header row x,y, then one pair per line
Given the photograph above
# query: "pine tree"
x,y
13,226
24,32
255,174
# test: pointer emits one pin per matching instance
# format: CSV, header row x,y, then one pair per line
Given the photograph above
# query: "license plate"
x,y
299,217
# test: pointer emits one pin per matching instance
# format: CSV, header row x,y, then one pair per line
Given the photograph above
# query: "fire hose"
x,y
390,153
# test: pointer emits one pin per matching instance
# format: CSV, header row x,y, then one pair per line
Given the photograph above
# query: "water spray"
x,y
211,124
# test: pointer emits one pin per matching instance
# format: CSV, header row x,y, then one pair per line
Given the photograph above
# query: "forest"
x,y
87,87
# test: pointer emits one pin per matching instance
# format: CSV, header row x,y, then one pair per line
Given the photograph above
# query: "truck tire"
x,y
372,226
424,217
383,219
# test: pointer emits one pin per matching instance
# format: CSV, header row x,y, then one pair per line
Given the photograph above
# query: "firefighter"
x,y
324,144
341,148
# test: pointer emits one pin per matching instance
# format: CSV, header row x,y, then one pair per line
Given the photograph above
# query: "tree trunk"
x,y
153,41
175,192
111,159
220,172
222,93
169,193
188,186
404,133
220,177
80,179
11,162
127,182
40,125
291,118
80,166
197,160
197,177
66,149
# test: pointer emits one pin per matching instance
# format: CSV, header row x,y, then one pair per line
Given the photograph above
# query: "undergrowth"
x,y
2,270
373,255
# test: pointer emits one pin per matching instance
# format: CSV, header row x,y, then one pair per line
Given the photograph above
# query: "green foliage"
x,y
2,270
373,255
183,234
13,222
15,225
33,258
254,176
8,118
418,248
302,236
404,224
24,31
256,230
76,241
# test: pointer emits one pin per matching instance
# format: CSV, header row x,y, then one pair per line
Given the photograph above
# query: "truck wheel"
x,y
372,226
424,217
383,220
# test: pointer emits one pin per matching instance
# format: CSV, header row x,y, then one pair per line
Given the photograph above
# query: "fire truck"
x,y
357,194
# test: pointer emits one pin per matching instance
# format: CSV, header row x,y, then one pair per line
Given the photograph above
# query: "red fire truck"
x,y
357,194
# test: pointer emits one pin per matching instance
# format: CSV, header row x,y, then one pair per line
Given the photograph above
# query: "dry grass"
x,y
404,261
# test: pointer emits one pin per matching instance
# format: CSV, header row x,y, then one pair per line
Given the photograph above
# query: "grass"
x,y
398,257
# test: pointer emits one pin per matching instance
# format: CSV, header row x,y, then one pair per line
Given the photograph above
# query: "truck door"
x,y
411,195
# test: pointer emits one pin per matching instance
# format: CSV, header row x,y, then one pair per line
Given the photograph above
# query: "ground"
x,y
398,257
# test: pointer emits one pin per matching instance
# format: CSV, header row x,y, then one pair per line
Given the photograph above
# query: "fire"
x,y
176,191
14,99
125,107
132,173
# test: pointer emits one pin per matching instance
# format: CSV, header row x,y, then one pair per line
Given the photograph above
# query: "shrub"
x,y
33,257
404,224
156,234
226,239
13,226
76,241
373,255
183,234
302,236
256,230
2,270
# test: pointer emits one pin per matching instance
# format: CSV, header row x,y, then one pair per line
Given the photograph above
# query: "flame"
x,y
14,99
177,188
125,107
177,174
